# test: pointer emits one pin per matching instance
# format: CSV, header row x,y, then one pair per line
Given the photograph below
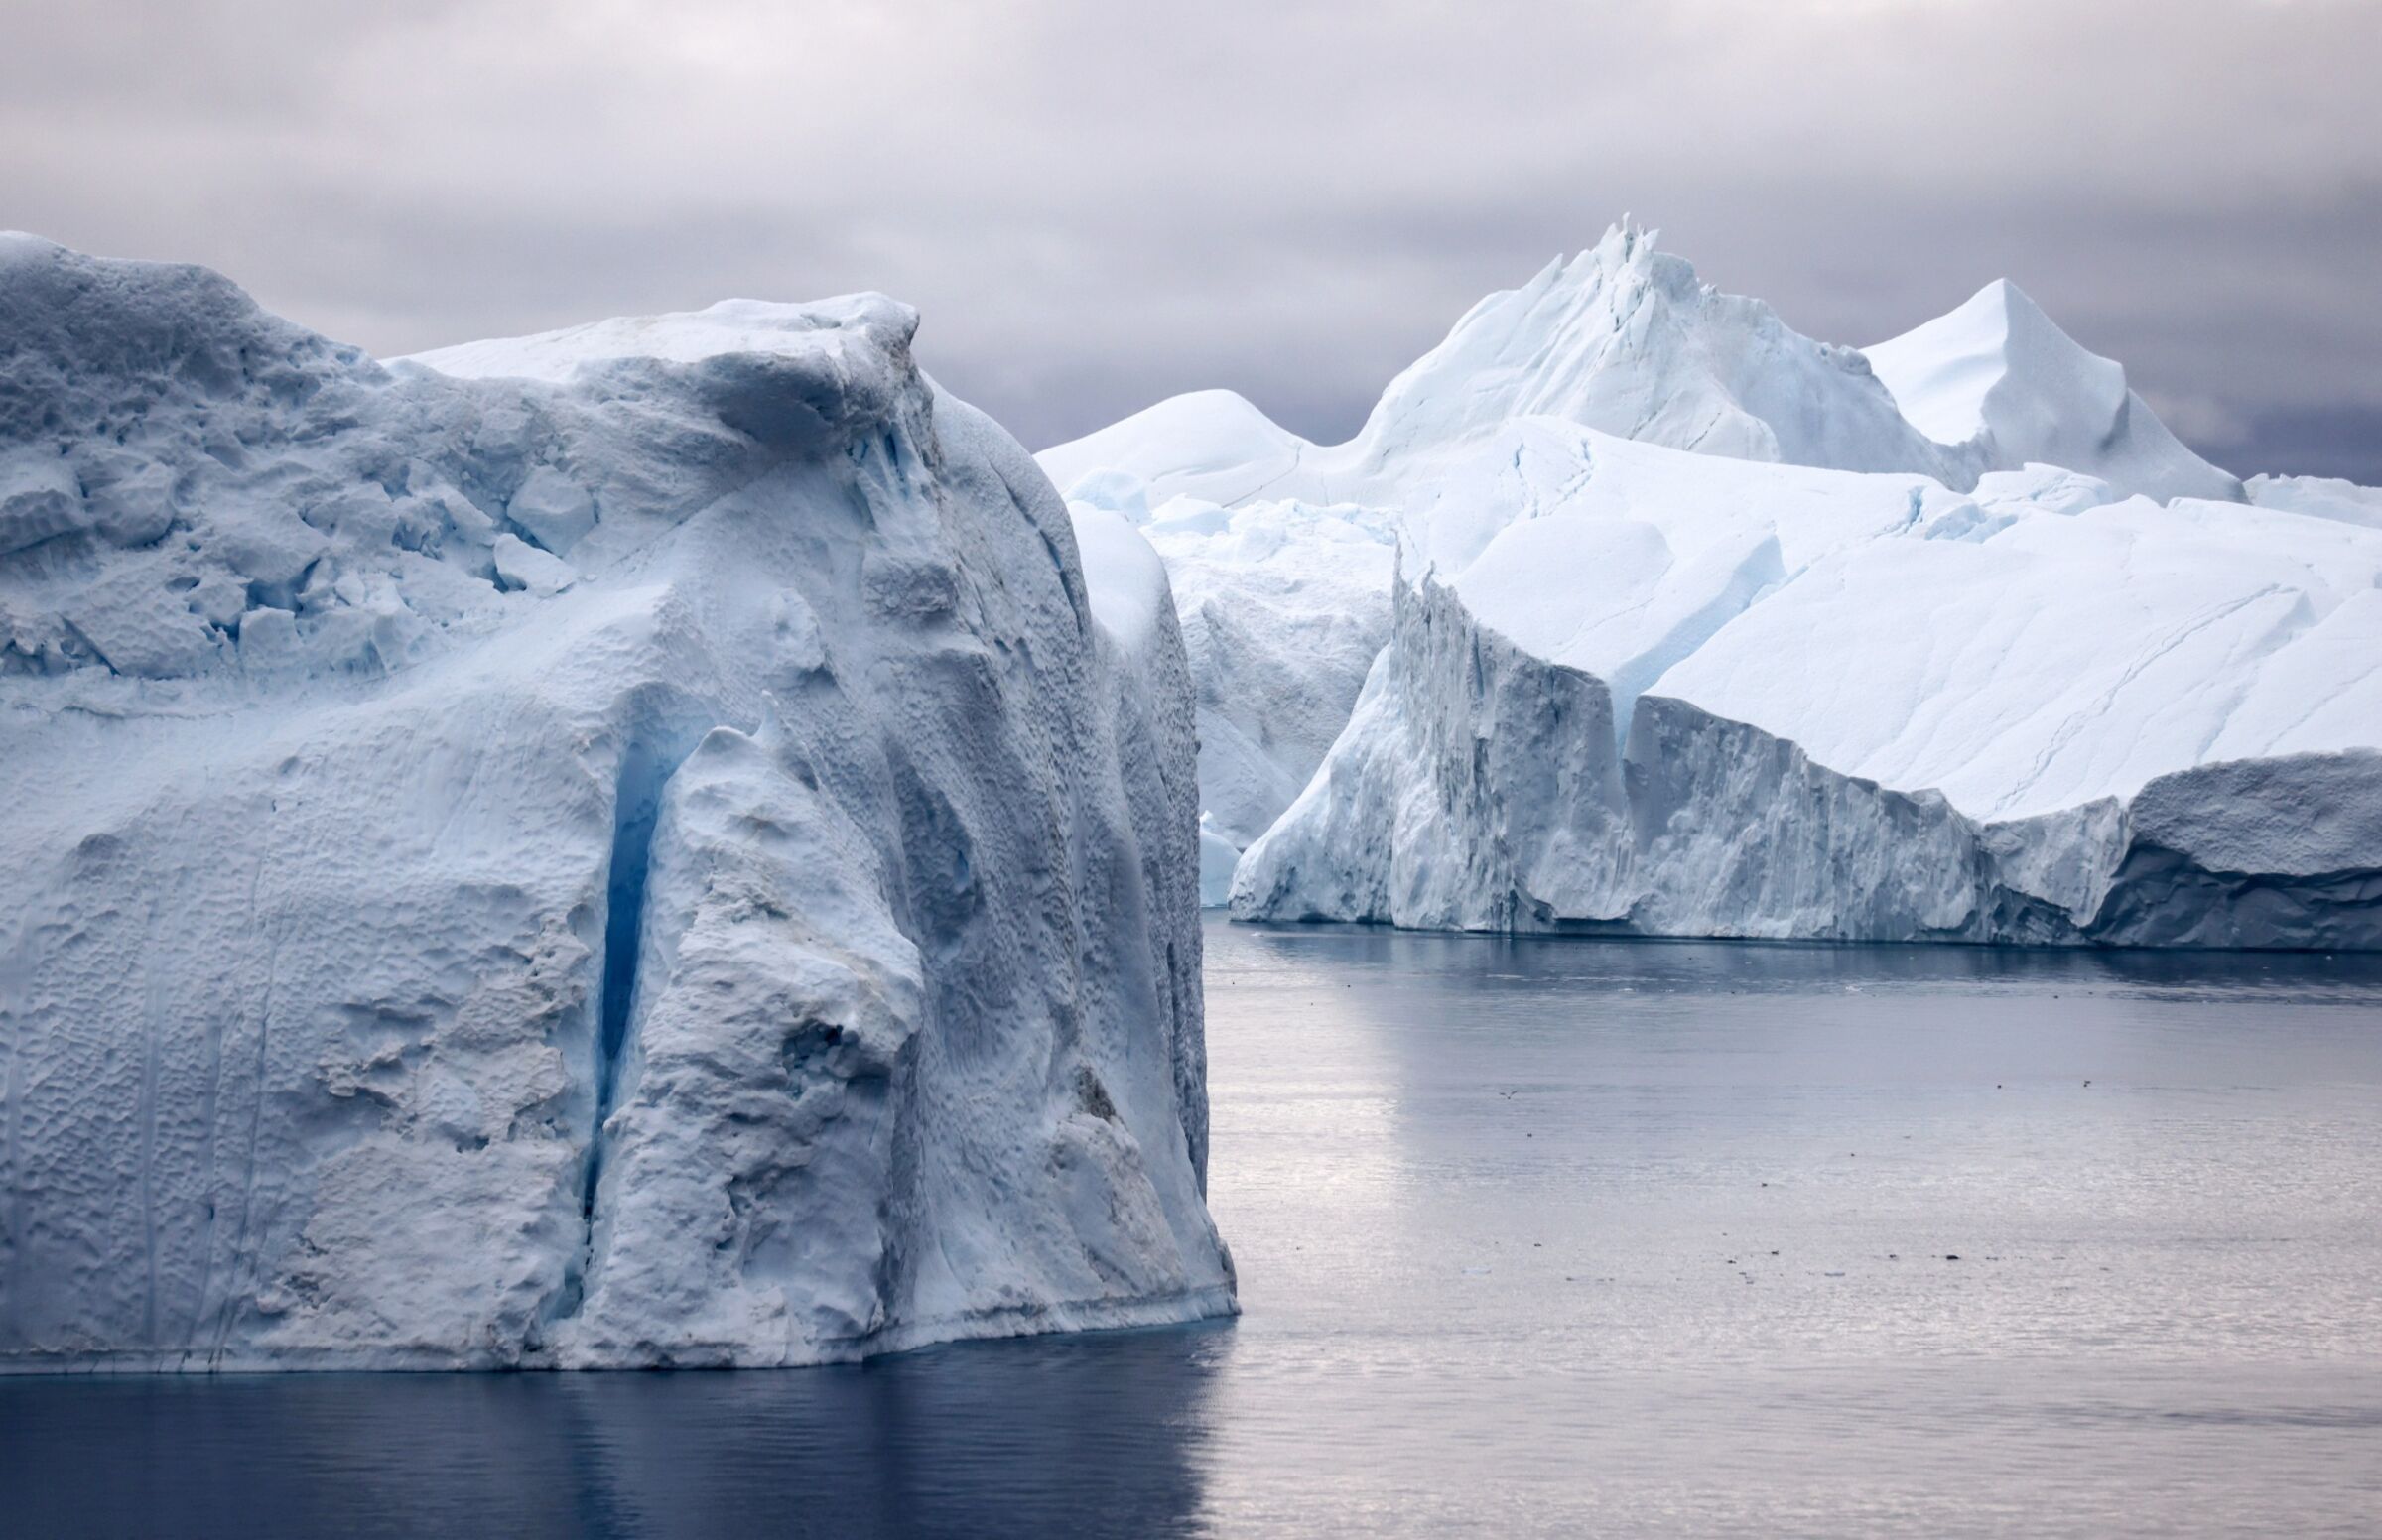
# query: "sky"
x,y
1095,206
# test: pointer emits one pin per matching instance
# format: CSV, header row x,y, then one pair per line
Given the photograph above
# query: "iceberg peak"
x,y
1997,375
1626,339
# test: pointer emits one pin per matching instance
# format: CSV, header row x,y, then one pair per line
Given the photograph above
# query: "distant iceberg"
x,y
1700,627
633,846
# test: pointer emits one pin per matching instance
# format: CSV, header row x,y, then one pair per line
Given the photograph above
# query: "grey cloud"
x,y
1095,207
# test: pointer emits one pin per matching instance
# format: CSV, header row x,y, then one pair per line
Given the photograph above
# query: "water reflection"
x,y
1247,953
1057,1436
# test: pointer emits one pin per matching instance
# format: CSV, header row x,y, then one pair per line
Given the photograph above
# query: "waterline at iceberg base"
x,y
635,846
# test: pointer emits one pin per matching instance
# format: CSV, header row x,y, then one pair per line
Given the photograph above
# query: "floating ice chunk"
x,y
2046,734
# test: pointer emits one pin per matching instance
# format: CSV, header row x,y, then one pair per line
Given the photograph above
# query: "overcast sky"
x,y
1095,206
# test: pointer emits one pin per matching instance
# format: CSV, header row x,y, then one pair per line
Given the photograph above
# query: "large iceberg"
x,y
1698,627
630,847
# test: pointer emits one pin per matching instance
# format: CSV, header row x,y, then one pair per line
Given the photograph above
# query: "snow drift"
x,y
632,846
1700,627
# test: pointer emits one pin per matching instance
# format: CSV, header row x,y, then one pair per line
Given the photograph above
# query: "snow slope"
x,y
654,861
1700,628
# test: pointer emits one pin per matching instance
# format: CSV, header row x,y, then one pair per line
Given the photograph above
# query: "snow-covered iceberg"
x,y
630,847
1694,632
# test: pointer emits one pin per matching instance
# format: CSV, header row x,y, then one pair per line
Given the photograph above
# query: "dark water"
x,y
1550,1237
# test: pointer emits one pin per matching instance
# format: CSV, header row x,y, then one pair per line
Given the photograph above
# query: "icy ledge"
x,y
657,862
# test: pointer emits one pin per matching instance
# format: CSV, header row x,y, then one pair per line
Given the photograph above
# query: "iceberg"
x,y
1870,714
1282,549
631,847
1698,627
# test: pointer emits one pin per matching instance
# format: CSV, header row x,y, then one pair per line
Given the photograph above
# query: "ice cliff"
x,y
1699,627
624,848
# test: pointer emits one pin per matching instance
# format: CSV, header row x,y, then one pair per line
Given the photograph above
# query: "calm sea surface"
x,y
1535,1238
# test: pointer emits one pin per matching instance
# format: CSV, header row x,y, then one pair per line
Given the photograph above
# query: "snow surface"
x,y
759,327
1693,632
651,858
2065,658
